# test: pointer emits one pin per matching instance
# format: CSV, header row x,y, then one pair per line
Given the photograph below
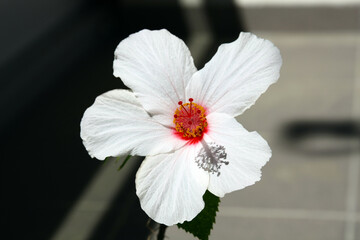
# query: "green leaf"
x,y
202,224
125,161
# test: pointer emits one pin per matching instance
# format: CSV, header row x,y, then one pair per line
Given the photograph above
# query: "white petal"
x,y
237,75
157,66
116,124
170,186
247,152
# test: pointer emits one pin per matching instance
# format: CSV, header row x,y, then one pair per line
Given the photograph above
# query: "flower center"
x,y
190,120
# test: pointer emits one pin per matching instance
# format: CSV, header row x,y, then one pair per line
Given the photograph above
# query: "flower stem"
x,y
161,233
156,230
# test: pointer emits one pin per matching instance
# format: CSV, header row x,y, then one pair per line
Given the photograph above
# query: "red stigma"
x,y
190,121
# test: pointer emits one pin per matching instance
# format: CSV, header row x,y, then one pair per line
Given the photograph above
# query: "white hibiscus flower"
x,y
182,119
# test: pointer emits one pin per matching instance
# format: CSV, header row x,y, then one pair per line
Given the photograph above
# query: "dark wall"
x,y
23,22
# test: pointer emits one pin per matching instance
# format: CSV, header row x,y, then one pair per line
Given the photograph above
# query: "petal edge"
x,y
247,152
157,66
170,186
116,124
237,75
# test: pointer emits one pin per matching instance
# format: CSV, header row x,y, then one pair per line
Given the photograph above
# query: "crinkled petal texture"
x,y
157,66
170,186
117,124
247,152
237,75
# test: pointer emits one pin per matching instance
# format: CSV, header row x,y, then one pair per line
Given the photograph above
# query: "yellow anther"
x,y
190,120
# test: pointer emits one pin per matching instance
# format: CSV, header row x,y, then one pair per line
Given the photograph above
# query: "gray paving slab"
x,y
356,114
356,157
268,229
278,229
358,186
301,18
316,81
295,180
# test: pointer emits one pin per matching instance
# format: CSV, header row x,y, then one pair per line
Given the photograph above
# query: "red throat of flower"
x,y
190,120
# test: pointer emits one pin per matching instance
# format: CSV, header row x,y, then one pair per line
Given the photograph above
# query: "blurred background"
x,y
56,57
